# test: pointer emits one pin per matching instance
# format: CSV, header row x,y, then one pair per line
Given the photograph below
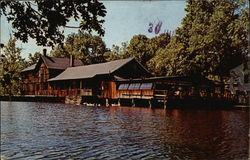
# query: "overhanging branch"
x,y
71,27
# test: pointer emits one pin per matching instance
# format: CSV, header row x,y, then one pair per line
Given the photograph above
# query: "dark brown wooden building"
x,y
97,80
123,81
35,77
164,87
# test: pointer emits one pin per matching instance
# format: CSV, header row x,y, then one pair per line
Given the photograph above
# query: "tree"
x,y
168,60
211,40
12,64
113,54
43,20
156,45
160,41
90,49
117,52
144,49
138,48
33,59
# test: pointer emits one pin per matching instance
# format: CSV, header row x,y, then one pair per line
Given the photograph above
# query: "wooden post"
x,y
119,102
107,101
165,104
81,84
150,103
133,102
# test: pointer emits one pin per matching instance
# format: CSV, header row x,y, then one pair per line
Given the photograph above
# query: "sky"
x,y
124,19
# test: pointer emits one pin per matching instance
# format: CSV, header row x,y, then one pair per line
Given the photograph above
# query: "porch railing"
x,y
86,92
62,93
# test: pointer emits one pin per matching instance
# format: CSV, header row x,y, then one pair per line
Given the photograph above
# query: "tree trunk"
x,y
9,92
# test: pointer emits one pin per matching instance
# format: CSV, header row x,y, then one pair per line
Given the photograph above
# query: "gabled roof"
x,y
54,63
59,63
30,68
89,71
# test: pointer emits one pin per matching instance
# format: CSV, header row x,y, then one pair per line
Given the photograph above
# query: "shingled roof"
x,y
89,71
54,63
30,68
59,63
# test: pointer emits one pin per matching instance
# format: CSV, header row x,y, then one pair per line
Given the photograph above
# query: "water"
x,y
57,131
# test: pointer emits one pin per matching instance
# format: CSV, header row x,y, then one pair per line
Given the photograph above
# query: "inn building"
x,y
124,80
35,77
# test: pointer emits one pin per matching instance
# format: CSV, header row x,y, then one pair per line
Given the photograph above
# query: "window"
x,y
134,86
123,87
146,86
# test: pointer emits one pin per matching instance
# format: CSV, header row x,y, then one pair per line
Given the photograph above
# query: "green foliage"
x,y
117,52
144,49
138,48
33,59
90,49
211,40
11,65
43,20
113,54
167,61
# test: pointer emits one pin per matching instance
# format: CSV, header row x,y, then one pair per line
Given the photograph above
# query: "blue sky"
x,y
124,19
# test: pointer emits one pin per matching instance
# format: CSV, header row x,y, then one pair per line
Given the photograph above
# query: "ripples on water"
x,y
58,131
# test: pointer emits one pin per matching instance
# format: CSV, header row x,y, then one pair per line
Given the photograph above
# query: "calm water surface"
x,y
58,131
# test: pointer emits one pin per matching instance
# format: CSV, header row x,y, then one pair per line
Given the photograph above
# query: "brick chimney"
x,y
71,61
44,52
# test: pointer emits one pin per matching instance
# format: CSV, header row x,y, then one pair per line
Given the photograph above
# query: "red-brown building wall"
x,y
35,82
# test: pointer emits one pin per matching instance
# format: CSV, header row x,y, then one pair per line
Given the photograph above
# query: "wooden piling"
x,y
106,102
133,102
150,103
119,102
165,103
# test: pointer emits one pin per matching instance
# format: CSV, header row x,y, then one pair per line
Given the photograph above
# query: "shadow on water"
x,y
57,131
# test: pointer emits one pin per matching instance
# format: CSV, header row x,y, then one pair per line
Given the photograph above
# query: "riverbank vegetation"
x,y
11,65
212,39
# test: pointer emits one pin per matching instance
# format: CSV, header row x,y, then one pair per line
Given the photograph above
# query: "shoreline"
x,y
170,105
